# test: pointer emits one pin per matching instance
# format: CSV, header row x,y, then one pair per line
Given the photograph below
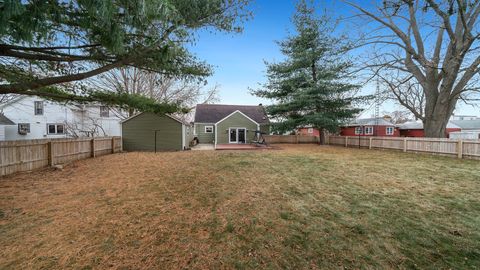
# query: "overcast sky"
x,y
238,59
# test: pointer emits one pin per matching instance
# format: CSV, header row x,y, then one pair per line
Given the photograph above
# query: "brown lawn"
x,y
303,207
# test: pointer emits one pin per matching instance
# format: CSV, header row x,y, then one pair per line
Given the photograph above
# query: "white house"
x,y
30,117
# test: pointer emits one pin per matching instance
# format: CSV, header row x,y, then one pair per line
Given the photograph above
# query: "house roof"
x,y
380,121
467,124
168,115
419,125
212,113
5,121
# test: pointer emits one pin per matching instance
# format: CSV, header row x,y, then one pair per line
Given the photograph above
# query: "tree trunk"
x,y
435,123
438,109
435,128
322,136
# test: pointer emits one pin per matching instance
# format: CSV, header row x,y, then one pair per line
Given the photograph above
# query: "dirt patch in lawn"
x,y
303,206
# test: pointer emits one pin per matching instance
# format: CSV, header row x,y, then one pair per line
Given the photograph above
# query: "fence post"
x,y
346,141
405,144
93,147
50,153
113,145
370,143
296,139
460,148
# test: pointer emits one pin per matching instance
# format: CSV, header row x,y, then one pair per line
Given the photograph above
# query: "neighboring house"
x,y
308,131
415,129
468,125
381,126
154,132
38,118
470,129
229,124
4,122
464,117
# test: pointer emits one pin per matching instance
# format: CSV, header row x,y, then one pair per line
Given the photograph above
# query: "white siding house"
x,y
38,118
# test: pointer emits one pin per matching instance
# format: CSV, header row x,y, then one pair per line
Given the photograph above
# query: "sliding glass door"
x,y
237,135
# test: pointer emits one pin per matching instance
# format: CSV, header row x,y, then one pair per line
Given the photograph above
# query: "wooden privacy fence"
x,y
26,155
290,139
449,147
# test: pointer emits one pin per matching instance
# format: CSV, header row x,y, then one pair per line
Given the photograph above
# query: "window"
x,y
208,129
390,130
38,107
104,111
310,130
55,129
23,128
358,130
368,130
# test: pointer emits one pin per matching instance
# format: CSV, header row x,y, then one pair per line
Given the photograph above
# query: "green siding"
x,y
202,136
138,133
236,120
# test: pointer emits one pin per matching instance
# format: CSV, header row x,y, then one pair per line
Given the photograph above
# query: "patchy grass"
x,y
302,207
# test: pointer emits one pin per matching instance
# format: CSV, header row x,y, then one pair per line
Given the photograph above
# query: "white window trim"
x,y
359,130
106,111
35,107
367,129
389,133
236,128
56,131
205,129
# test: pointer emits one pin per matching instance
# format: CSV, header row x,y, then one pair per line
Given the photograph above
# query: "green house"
x,y
229,124
153,132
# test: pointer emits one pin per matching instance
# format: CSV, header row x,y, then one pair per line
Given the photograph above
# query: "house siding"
x,y
139,133
202,136
421,133
304,132
76,119
236,120
378,131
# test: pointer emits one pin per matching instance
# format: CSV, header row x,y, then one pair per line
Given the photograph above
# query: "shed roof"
x,y
5,121
168,115
212,113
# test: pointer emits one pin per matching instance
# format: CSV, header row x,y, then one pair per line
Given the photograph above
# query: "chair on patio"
x,y
258,139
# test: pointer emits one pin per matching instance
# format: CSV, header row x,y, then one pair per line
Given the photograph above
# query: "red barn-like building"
x,y
415,129
308,131
371,127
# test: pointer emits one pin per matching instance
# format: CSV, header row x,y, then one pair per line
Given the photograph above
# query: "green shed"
x,y
154,132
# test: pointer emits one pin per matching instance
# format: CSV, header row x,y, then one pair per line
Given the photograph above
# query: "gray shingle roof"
x,y
212,113
419,125
5,121
467,124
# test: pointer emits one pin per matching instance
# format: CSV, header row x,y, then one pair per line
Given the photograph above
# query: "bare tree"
x,y
160,87
398,116
90,128
432,46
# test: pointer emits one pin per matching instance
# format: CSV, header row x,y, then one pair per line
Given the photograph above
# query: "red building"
x,y
308,131
370,127
415,129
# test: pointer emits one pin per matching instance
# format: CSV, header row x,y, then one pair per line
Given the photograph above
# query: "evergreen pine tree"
x,y
310,87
